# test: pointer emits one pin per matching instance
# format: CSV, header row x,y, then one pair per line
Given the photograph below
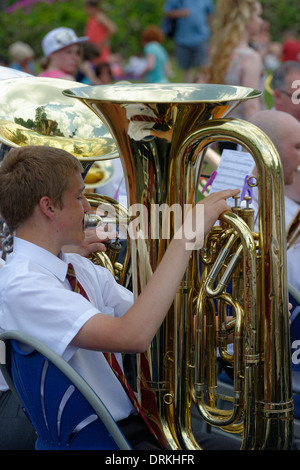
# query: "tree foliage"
x,y
31,23
30,26
283,15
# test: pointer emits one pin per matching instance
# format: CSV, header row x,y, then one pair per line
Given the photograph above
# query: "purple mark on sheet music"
x,y
209,181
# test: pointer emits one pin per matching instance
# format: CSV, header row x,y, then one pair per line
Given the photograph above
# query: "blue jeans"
x,y
192,56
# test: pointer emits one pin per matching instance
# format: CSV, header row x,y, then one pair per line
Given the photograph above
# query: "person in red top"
x,y
99,29
290,48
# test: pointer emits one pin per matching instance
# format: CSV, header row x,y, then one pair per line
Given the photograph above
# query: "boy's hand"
x,y
93,242
202,217
214,205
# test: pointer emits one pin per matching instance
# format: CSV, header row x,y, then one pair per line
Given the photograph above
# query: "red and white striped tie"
x,y
110,357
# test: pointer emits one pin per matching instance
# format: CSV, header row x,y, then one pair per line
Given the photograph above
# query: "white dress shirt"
x,y
36,298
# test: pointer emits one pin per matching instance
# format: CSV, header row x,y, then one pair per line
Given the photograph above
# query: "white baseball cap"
x,y
59,38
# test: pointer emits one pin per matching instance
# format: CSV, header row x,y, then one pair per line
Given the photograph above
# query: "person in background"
x,y
191,35
284,131
22,57
261,38
269,50
61,47
103,73
290,47
286,88
99,29
86,71
157,67
232,60
286,95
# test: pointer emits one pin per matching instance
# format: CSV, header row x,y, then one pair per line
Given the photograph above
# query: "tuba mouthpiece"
x,y
94,220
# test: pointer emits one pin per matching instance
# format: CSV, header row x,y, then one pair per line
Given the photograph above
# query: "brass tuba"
x,y
162,133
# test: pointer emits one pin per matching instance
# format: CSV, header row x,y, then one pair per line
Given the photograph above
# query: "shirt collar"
x,y
57,265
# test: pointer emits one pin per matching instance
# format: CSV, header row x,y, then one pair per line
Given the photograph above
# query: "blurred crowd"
x,y
222,42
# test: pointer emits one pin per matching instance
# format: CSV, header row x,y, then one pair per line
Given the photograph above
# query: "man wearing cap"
x,y
61,47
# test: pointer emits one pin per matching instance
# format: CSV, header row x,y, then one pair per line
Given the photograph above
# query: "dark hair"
x,y
102,66
29,173
90,51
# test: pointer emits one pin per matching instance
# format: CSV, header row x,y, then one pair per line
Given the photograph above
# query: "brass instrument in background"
x,y
34,111
112,212
161,133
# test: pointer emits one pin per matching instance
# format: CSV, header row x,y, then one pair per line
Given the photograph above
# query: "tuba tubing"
x,y
274,403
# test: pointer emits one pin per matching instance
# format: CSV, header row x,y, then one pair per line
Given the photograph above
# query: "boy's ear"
x,y
47,206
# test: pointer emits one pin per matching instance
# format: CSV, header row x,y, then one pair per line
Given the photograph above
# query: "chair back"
x,y
65,412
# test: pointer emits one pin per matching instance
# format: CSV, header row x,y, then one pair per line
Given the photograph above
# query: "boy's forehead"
x,y
76,182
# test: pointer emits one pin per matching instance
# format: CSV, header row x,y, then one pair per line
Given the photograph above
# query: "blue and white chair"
x,y
65,412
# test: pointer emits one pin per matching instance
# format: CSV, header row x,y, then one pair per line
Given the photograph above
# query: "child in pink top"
x,y
61,48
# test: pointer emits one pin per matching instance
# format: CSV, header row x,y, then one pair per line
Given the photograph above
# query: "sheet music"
x,y
233,168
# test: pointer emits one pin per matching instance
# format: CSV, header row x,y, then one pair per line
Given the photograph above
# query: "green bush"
x,y
130,17
32,26
283,15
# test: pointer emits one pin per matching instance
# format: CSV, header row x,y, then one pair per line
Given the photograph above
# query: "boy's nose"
x,y
87,206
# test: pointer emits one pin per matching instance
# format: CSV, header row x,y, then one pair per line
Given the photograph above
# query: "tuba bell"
x,y
162,133
34,111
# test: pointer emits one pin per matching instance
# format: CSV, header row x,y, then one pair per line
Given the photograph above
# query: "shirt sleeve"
x,y
102,288
117,296
45,310
43,305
